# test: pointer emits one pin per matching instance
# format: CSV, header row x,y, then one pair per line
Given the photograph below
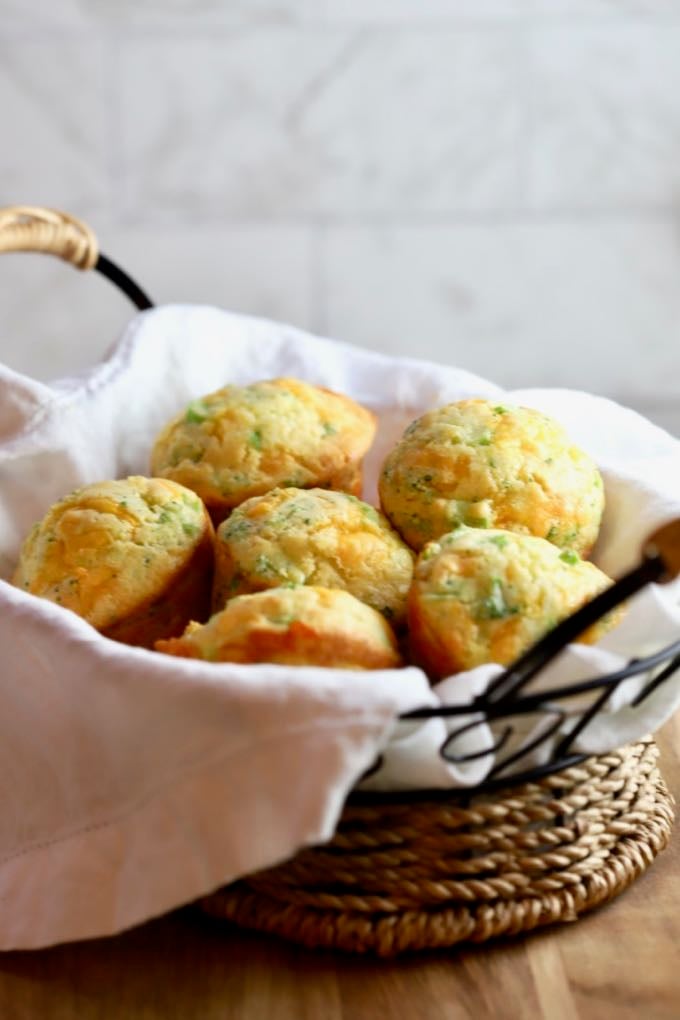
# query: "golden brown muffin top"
x,y
491,465
242,441
317,537
488,595
107,547
293,626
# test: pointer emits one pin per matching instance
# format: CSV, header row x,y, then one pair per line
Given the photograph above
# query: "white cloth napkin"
x,y
132,782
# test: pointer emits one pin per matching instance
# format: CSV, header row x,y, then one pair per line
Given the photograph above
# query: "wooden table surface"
x,y
621,962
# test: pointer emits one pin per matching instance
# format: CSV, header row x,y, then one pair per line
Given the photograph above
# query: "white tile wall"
x,y
168,14
337,123
493,183
56,320
605,117
574,8
586,305
54,123
40,15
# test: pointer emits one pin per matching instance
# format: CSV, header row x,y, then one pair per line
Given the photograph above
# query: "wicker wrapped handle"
x,y
32,228
28,228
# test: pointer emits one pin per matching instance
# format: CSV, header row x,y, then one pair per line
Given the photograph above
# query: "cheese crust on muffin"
x,y
490,465
307,626
314,537
134,557
242,441
487,596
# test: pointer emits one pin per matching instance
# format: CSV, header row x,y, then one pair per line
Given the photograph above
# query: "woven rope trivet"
x,y
406,876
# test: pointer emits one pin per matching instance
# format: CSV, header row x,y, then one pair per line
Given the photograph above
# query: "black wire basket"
x,y
510,695
530,845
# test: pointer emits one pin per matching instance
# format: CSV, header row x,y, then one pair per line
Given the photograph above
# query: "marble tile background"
x,y
490,183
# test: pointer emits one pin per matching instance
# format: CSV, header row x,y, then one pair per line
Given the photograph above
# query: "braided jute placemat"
x,y
401,876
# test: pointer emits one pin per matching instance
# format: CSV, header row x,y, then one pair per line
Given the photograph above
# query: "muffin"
x,y
315,537
488,465
487,596
133,557
308,626
242,441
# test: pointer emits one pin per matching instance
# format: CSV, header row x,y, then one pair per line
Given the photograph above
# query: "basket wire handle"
x,y
36,229
505,696
660,563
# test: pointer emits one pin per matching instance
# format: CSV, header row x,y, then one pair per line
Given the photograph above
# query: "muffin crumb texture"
x,y
489,465
108,549
483,596
242,441
315,537
306,626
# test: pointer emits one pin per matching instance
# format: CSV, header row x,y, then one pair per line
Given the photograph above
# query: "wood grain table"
x,y
620,962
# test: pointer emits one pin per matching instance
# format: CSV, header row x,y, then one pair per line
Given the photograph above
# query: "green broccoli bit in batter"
x,y
263,565
494,606
196,412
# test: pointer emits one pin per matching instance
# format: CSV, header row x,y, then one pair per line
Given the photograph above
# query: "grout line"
x,y
114,156
522,70
207,221
318,282
208,30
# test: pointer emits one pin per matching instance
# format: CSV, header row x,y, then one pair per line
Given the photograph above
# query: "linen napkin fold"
x,y
131,782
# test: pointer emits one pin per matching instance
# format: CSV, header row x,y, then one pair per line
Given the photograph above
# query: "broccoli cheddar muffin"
x,y
294,627
487,596
490,465
242,441
133,557
315,537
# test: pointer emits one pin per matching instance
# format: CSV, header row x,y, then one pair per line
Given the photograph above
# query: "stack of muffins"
x,y
487,514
